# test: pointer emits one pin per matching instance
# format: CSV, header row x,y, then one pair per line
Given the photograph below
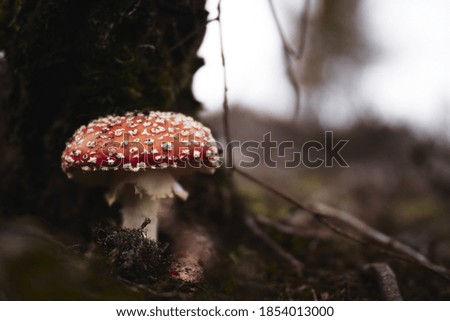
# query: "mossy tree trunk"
x,y
72,60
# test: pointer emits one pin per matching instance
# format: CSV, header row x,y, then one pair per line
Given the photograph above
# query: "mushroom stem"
x,y
140,195
136,209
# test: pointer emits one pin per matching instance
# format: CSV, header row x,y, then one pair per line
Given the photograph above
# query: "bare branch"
x,y
297,265
286,47
290,53
368,231
287,229
322,212
303,30
226,108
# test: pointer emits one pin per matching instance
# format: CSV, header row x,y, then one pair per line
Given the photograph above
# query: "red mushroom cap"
x,y
140,141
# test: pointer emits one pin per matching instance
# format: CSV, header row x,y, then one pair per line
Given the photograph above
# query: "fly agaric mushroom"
x,y
139,158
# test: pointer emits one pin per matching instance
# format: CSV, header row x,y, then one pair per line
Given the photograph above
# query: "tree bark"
x,y
71,61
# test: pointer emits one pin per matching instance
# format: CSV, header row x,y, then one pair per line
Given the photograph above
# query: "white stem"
x,y
140,195
136,208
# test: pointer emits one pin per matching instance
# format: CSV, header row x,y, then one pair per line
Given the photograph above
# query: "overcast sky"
x,y
408,82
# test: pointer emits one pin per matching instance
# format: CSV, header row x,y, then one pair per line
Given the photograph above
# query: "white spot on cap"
x,y
92,160
167,146
69,159
111,151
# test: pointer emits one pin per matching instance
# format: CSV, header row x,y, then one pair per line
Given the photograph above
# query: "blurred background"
x,y
385,58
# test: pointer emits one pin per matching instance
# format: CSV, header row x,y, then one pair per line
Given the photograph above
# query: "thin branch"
x,y
226,107
369,231
303,30
322,212
297,265
286,47
285,228
386,279
290,53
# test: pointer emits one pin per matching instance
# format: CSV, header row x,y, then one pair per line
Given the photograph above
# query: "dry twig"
x,y
290,54
297,265
323,212
287,229
226,108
